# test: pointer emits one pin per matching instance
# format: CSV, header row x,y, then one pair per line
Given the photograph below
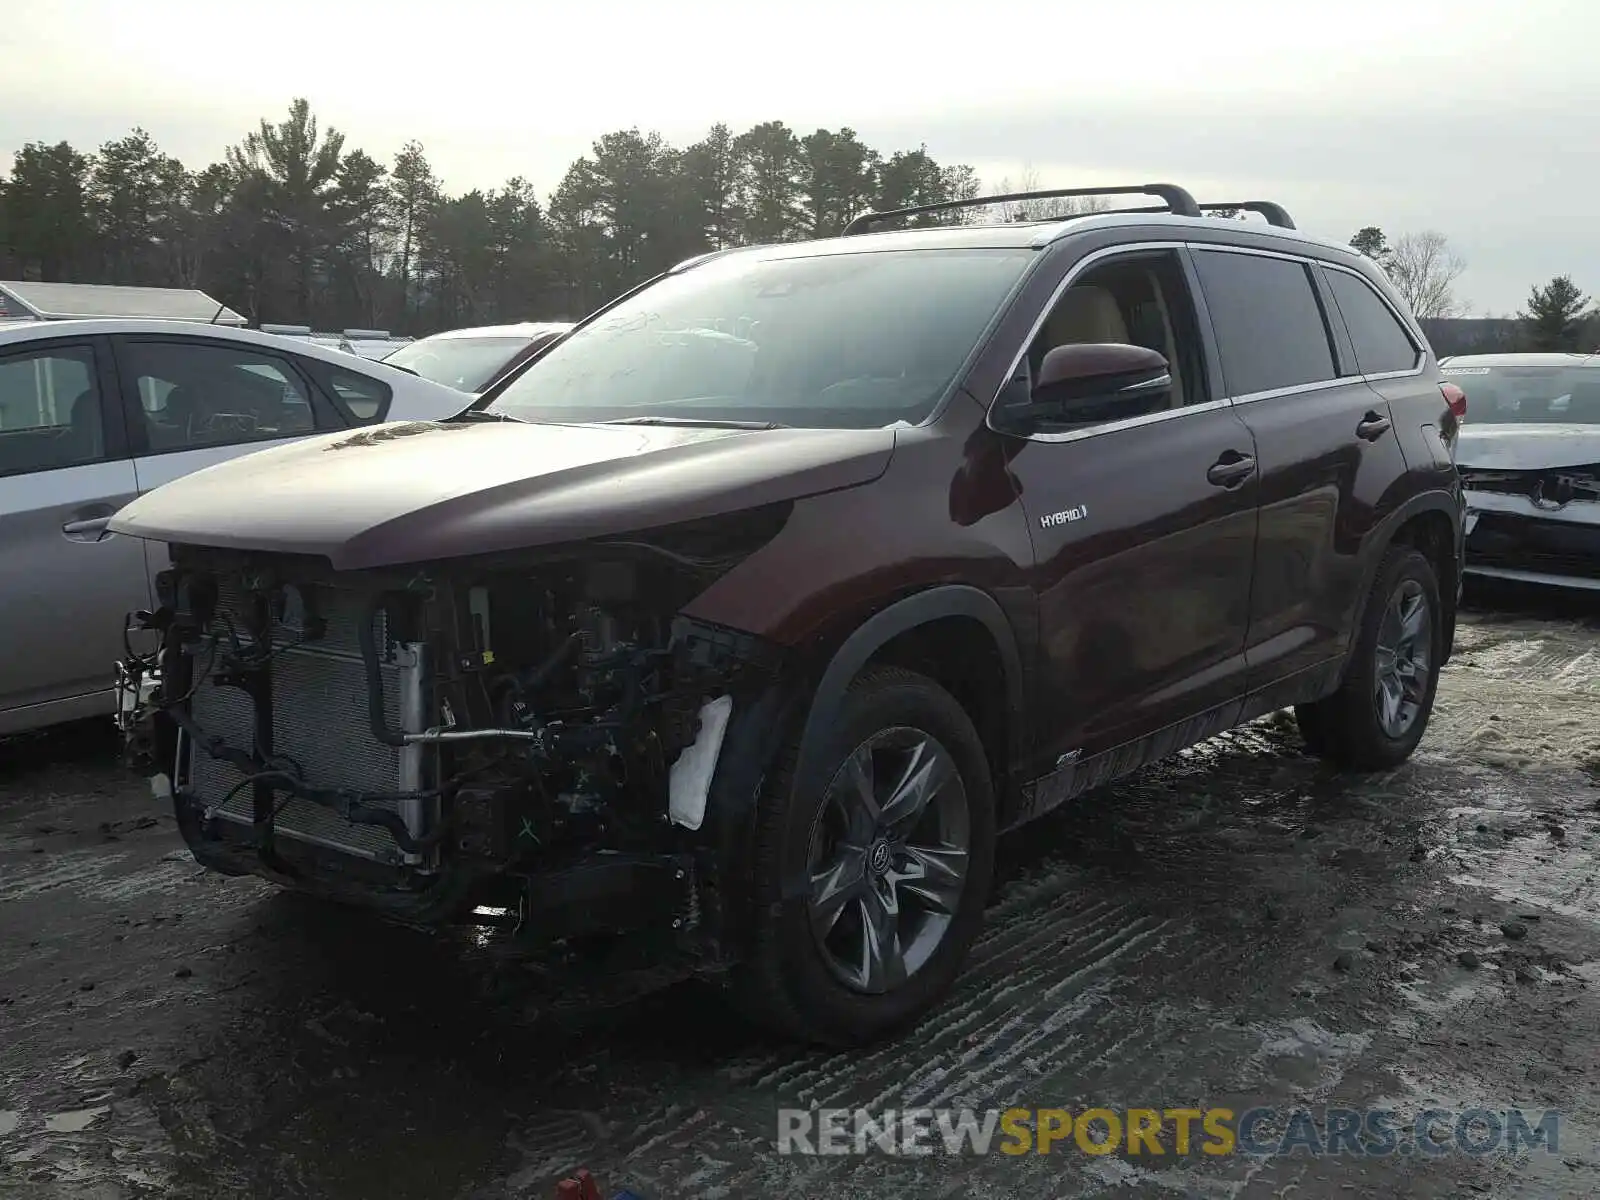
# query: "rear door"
x,y
1330,461
69,584
192,403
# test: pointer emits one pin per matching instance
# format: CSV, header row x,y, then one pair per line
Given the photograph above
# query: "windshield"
x,y
1528,395
467,364
841,340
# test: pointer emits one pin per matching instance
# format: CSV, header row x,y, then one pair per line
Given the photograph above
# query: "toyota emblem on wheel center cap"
x,y
878,857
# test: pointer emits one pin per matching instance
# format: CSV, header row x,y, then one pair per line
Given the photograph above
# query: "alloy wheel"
x,y
889,856
1404,654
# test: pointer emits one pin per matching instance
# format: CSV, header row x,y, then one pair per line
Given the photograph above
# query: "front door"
x,y
1143,524
68,584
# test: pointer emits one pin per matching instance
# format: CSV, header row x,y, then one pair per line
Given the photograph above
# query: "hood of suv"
x,y
419,491
1527,447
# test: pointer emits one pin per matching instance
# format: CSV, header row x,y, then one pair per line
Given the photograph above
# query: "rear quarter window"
x,y
1381,342
361,399
1270,330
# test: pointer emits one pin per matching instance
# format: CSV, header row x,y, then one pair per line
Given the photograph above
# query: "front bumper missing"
x,y
135,691
1509,537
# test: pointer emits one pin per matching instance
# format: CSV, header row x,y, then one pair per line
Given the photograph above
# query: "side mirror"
x,y
1100,381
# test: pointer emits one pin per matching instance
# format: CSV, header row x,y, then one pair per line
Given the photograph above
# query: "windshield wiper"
x,y
483,414
703,422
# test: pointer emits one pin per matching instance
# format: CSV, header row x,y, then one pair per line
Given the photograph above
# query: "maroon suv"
x,y
734,627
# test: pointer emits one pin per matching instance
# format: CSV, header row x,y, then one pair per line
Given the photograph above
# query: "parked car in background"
x,y
729,631
304,333
373,344
472,359
93,413
1530,461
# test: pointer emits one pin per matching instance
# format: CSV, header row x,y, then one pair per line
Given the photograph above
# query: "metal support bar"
x,y
1178,201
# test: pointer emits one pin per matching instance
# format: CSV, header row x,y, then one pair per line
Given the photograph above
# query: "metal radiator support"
x,y
324,732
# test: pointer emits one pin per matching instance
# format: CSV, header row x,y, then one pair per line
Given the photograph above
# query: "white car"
x,y
96,412
472,359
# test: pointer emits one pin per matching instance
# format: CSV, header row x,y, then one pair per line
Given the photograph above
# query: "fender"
x,y
1433,500
759,730
877,631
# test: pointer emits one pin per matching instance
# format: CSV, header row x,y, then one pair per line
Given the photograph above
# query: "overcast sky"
x,y
1470,118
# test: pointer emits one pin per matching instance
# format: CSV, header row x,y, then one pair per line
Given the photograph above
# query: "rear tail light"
x,y
1455,398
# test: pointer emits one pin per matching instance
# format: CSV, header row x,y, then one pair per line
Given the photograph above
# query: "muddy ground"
x,y
1238,926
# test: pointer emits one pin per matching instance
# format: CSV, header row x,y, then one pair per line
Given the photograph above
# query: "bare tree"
x,y
1424,269
1057,208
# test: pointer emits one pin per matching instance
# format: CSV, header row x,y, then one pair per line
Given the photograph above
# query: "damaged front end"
x,y
1534,524
527,741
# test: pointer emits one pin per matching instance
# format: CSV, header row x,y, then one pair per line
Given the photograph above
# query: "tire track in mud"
x,y
1048,1028
972,1025
1054,967
971,1007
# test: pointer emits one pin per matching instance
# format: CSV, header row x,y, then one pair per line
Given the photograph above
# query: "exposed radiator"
x,y
320,723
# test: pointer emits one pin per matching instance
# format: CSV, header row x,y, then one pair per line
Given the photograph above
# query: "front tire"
x,y
867,893
1381,710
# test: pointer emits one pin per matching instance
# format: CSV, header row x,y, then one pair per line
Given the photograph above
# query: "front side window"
x,y
464,363
1527,395
1269,324
1381,343
50,414
192,396
855,340
1140,299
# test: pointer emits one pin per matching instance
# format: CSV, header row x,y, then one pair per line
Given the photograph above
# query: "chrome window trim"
x,y
1320,385
1155,418
1226,248
1132,248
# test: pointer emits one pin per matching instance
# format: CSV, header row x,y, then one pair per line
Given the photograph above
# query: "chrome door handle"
x,y
1372,427
1231,469
91,530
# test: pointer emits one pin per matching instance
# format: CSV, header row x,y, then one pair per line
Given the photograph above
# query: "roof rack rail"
x,y
1176,199
1275,214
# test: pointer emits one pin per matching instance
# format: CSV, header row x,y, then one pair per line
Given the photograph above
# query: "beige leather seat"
x,y
1085,314
1090,314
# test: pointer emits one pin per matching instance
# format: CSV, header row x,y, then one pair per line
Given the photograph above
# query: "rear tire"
x,y
863,910
1381,710
1312,722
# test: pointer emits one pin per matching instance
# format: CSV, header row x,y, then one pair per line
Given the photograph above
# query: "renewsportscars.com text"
x,y
1175,1132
